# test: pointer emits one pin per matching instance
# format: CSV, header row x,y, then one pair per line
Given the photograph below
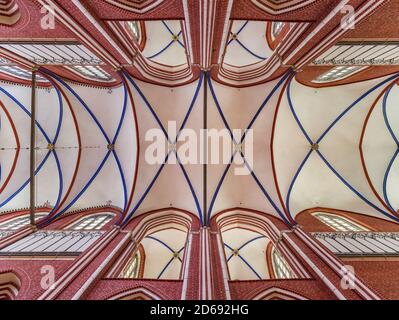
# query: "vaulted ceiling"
x,y
322,113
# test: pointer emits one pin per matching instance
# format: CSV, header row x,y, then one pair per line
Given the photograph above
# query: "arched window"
x,y
94,222
131,270
130,264
338,73
280,266
96,73
134,29
17,223
339,223
276,28
19,73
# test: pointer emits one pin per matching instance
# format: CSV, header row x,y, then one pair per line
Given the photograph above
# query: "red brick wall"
x,y
382,275
165,289
309,289
29,273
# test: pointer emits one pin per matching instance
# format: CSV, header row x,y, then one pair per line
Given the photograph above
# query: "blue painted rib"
x,y
395,155
171,32
248,242
61,181
166,267
61,114
86,107
19,104
295,115
249,266
193,100
197,204
59,169
245,261
146,102
162,50
120,169
167,47
354,190
265,193
27,181
121,120
81,102
226,245
167,27
168,264
287,200
167,157
133,211
386,175
264,103
215,99
355,103
387,122
191,105
250,51
325,133
161,242
239,31
219,186
76,198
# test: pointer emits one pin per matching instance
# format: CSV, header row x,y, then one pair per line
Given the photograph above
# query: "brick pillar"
x,y
203,276
220,274
191,274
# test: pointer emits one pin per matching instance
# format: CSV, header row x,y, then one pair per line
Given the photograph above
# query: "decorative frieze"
x,y
360,243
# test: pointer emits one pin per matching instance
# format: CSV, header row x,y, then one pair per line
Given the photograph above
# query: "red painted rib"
x,y
79,145
17,149
364,166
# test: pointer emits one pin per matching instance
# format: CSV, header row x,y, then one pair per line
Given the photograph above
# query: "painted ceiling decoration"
x,y
277,98
160,50
248,58
172,52
165,260
53,155
235,33
241,248
308,108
